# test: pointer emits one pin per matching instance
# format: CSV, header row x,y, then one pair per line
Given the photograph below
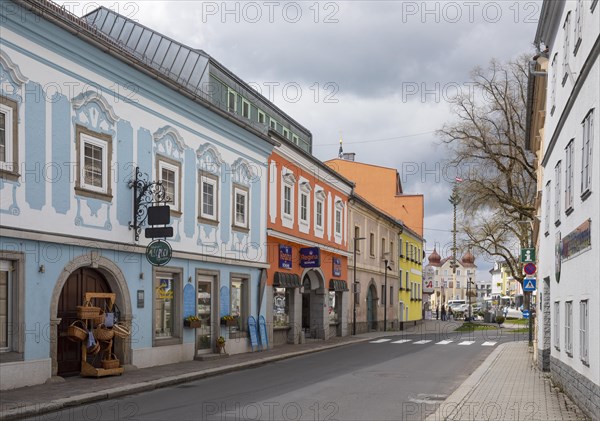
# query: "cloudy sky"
x,y
377,72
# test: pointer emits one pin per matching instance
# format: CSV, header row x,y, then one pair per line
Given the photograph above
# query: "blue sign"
x,y
253,333
285,256
310,257
262,329
526,314
529,284
189,301
337,266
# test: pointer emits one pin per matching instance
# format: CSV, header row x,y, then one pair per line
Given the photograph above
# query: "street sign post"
x,y
529,284
529,268
528,255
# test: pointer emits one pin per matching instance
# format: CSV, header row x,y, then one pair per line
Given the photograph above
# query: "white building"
x,y
568,323
450,286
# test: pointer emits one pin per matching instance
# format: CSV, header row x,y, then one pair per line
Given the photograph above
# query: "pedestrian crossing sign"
x,y
529,284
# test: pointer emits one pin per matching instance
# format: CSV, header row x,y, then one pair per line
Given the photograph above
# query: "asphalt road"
x,y
378,380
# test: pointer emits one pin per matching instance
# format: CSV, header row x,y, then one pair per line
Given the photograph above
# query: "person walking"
x,y
450,314
437,312
443,313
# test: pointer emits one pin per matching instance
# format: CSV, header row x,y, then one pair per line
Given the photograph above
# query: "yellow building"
x,y
410,265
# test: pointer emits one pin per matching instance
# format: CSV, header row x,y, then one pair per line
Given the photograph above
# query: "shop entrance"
x,y
206,313
306,305
78,283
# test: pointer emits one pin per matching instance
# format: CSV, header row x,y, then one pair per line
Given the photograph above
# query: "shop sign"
x,y
428,280
310,257
285,256
577,241
337,266
159,253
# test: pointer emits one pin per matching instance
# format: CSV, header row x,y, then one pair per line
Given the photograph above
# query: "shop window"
x,y
239,304
167,307
11,306
333,306
281,306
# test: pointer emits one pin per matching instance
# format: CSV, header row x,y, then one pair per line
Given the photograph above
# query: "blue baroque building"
x,y
80,110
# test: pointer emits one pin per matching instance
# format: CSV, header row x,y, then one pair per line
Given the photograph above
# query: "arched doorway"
x,y
372,308
78,283
315,321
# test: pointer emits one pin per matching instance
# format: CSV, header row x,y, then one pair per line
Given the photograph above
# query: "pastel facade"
x,y
449,285
307,242
79,114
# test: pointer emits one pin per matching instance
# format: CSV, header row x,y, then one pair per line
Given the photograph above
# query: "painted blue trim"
x,y
61,154
79,51
225,209
124,168
190,191
13,208
94,206
144,152
34,164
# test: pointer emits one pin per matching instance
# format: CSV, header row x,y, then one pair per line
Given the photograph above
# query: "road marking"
x,y
378,341
488,344
467,343
424,341
401,341
445,342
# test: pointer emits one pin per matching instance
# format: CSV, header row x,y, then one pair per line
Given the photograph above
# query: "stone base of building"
x,y
24,373
579,388
543,360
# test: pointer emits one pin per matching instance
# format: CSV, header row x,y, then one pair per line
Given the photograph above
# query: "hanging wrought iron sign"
x,y
159,253
147,194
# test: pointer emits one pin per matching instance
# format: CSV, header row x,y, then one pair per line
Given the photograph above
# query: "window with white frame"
x,y
8,135
586,153
400,280
553,87
272,123
303,207
547,216
566,48
407,280
569,177
261,117
399,247
209,197
93,159
288,181
245,108
241,207
287,200
569,328
337,220
557,325
295,139
372,245
169,175
231,101
319,211
584,335
407,250
286,133
578,25
557,176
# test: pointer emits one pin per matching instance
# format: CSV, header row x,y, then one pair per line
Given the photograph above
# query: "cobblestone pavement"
x,y
507,386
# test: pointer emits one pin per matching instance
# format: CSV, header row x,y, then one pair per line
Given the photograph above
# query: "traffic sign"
x,y
527,255
529,284
529,268
526,314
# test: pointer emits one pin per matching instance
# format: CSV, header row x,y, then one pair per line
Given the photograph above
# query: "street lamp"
x,y
469,282
356,240
385,295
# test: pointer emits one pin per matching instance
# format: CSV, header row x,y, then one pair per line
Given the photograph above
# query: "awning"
x,y
338,285
286,280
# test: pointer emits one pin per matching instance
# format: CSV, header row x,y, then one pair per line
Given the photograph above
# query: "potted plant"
x,y
229,320
221,345
192,322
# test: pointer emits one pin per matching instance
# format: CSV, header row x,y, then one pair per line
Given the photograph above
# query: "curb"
x,y
43,408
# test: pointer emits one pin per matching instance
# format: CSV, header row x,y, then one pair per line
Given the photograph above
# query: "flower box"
x,y
229,322
194,324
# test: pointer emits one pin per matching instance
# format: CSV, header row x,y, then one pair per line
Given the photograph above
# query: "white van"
x,y
457,304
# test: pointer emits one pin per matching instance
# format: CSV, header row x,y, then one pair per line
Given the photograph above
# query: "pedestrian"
x,y
443,313
437,312
450,315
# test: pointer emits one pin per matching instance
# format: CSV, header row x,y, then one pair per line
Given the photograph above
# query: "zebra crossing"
x,y
426,341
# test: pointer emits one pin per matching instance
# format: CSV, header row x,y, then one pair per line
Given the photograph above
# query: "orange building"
x,y
307,242
381,186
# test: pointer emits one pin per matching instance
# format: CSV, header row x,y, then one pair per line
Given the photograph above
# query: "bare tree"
x,y
487,139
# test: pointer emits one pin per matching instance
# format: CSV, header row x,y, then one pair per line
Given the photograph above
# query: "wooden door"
x,y
79,282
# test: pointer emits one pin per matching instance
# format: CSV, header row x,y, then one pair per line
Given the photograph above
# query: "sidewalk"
x,y
507,386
